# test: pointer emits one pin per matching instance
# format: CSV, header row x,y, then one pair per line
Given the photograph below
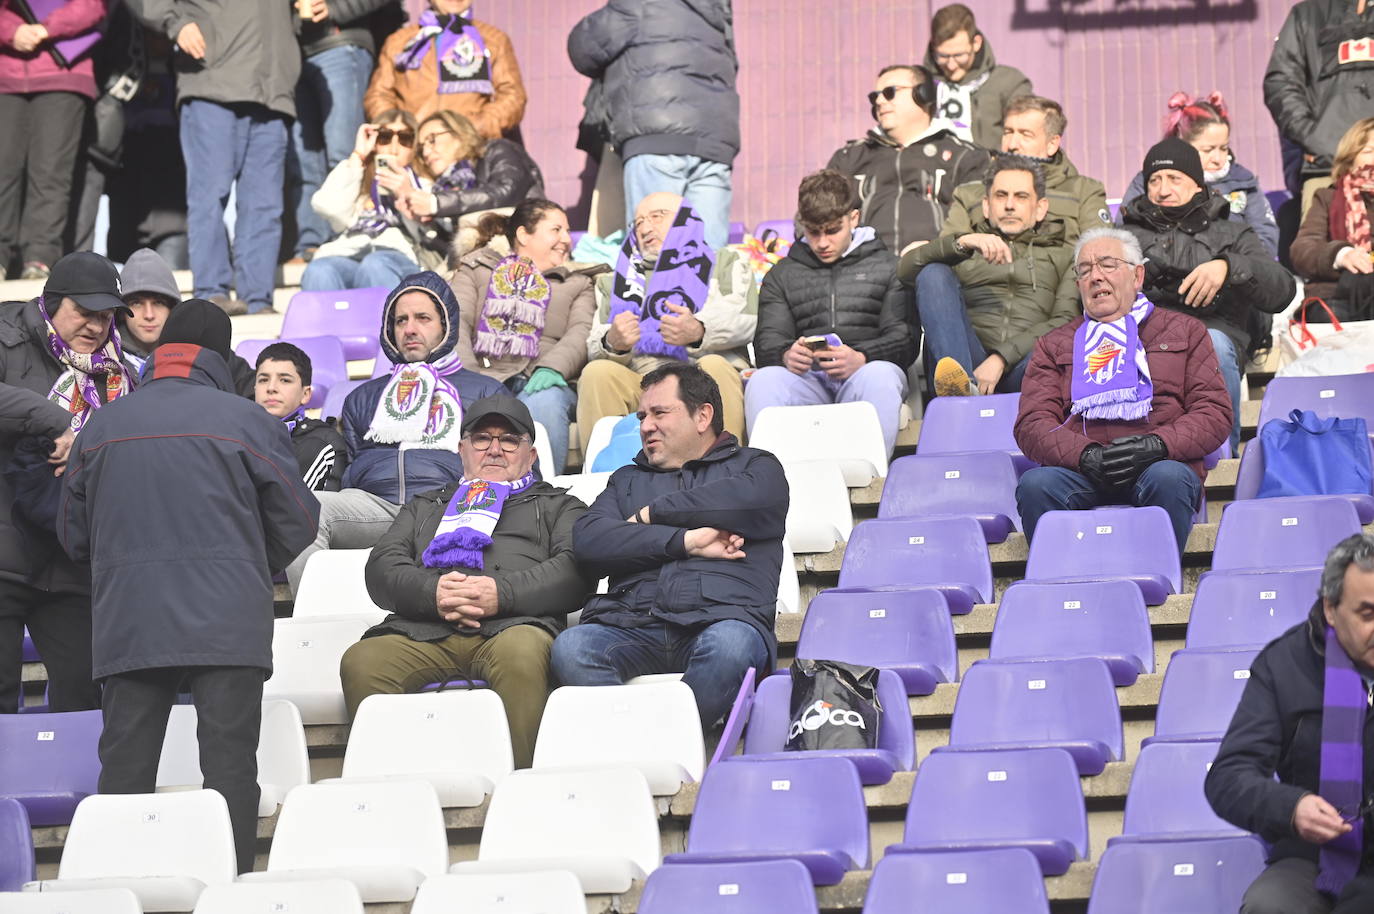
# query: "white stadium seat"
x,y
88,901
333,585
305,661
847,433
818,514
316,896
547,892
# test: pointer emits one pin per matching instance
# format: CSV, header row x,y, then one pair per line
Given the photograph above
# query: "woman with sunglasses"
x,y
358,199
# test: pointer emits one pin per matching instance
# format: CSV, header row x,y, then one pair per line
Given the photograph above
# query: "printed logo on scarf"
x,y
465,59
1104,362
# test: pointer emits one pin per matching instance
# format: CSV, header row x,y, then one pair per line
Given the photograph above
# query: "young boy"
x,y
283,388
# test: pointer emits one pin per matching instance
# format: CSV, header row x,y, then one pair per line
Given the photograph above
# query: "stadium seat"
x,y
310,896
896,749
354,316
949,554
1027,798
49,762
789,585
586,486
981,484
327,363
543,452
381,365
545,892
994,881
1269,533
846,433
600,823
972,424
1065,704
16,847
87,901
785,229
1166,799
458,740
164,847
305,660
1244,608
334,400
1103,619
333,584
618,438
1344,396
386,837
1200,692
737,230
907,631
1135,544
30,654
756,887
806,809
1251,474
1181,877
282,758
821,517
736,720
653,727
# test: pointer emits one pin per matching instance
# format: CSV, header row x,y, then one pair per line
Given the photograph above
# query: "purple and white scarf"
x,y
463,59
1344,704
681,277
294,419
383,214
77,389
459,176
468,522
419,408
1111,377
513,312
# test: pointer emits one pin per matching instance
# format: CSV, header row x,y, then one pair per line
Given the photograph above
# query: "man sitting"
x,y
691,537
1119,405
283,388
838,283
986,292
479,577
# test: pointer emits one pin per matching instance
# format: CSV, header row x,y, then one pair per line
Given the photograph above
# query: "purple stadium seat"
x,y
1166,799
947,553
1251,474
381,365
1028,798
972,424
807,809
16,846
575,237
1102,619
30,652
737,230
993,881
785,229
327,363
1290,532
1134,544
1249,608
1063,704
1277,198
1113,209
906,631
758,887
981,484
1344,395
352,315
1200,692
896,749
1223,452
739,715
49,762
1181,877
334,401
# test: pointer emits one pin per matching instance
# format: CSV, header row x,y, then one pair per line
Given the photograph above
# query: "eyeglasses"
x,y
1365,809
433,138
405,136
887,92
958,56
509,443
1106,264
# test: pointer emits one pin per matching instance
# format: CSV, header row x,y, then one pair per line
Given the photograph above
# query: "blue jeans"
x,y
382,268
1230,374
225,146
712,659
948,331
881,383
329,109
553,408
1170,484
704,183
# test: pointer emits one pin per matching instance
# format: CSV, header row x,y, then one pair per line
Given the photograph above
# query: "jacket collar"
x,y
190,363
725,445
1192,217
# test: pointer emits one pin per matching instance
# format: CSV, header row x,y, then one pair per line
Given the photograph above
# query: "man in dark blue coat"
x,y
185,499
690,535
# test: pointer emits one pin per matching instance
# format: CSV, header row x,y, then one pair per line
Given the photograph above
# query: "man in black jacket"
x,y
832,326
489,611
1305,717
283,388
690,535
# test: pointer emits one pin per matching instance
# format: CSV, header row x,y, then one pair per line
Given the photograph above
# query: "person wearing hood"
x,y
832,325
973,88
907,166
1201,262
182,567
1203,124
986,292
401,429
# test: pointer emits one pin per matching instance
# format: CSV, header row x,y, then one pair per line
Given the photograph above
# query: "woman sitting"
x,y
526,314
1332,250
359,200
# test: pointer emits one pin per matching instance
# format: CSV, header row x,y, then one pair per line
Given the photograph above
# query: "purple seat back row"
x,y
354,316
907,631
759,887
981,484
1103,619
16,846
1180,876
1291,532
327,362
49,762
947,553
972,424
1135,544
1200,692
1234,609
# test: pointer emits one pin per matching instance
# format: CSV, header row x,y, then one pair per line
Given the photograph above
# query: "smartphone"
x,y
384,162
815,343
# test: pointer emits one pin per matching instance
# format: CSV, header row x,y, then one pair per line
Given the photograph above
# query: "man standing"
x,y
182,568
974,88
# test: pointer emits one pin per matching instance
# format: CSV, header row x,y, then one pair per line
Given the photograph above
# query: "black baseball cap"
x,y
88,279
503,405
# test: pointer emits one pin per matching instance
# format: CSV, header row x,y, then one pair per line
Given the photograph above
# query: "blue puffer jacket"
x,y
384,469
1241,189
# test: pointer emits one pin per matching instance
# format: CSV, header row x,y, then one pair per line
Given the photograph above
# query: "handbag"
x,y
1306,455
1317,348
834,706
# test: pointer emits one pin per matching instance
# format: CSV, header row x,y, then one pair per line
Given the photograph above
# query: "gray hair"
x,y
1130,246
1356,549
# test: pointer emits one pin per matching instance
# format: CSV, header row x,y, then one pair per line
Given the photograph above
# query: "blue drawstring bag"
x,y
1305,455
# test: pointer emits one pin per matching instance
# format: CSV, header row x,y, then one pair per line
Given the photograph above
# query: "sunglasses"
x,y
887,92
404,136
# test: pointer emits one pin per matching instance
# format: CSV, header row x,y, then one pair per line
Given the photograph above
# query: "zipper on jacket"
x,y
401,474
897,205
833,325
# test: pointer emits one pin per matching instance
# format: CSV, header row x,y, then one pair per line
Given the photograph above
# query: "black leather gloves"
x,y
1090,465
1126,458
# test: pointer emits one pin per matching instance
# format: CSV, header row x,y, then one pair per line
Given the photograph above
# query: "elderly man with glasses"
x,y
1120,405
478,576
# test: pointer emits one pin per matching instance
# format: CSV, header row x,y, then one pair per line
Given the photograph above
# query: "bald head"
x,y
653,217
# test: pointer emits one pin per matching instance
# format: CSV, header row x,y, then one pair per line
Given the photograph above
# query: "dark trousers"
x,y
60,624
228,703
38,145
1287,886
1169,484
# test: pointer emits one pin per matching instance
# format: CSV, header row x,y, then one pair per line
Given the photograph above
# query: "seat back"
x,y
755,887
889,629
1200,692
457,730
334,400
1151,876
607,429
84,901
1103,543
586,486
352,315
846,433
1105,619
789,584
1245,608
737,719
1166,797
49,762
186,833
914,552
309,896
305,664
16,846
978,483
327,363
1344,396
972,882
822,516
334,584
969,424
1282,532
545,891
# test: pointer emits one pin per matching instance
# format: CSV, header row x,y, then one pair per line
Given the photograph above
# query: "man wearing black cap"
x,y
479,578
186,499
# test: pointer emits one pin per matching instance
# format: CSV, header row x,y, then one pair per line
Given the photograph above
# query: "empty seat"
x,y
981,484
1250,475
1242,608
806,809
16,846
756,887
819,514
164,847
49,762
386,837
586,486
1027,798
1342,396
327,363
1134,544
1166,797
946,553
972,424
545,892
622,431
1200,692
992,881
907,631
1287,532
654,727
305,665
1181,877
354,316
334,400
334,584
88,901
846,433
1103,619
1066,704
311,896
600,823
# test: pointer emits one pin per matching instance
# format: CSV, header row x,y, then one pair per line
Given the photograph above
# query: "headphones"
x,y
924,93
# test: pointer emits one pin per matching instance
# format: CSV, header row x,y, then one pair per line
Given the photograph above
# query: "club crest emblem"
x,y
405,387
479,496
464,60
1104,361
